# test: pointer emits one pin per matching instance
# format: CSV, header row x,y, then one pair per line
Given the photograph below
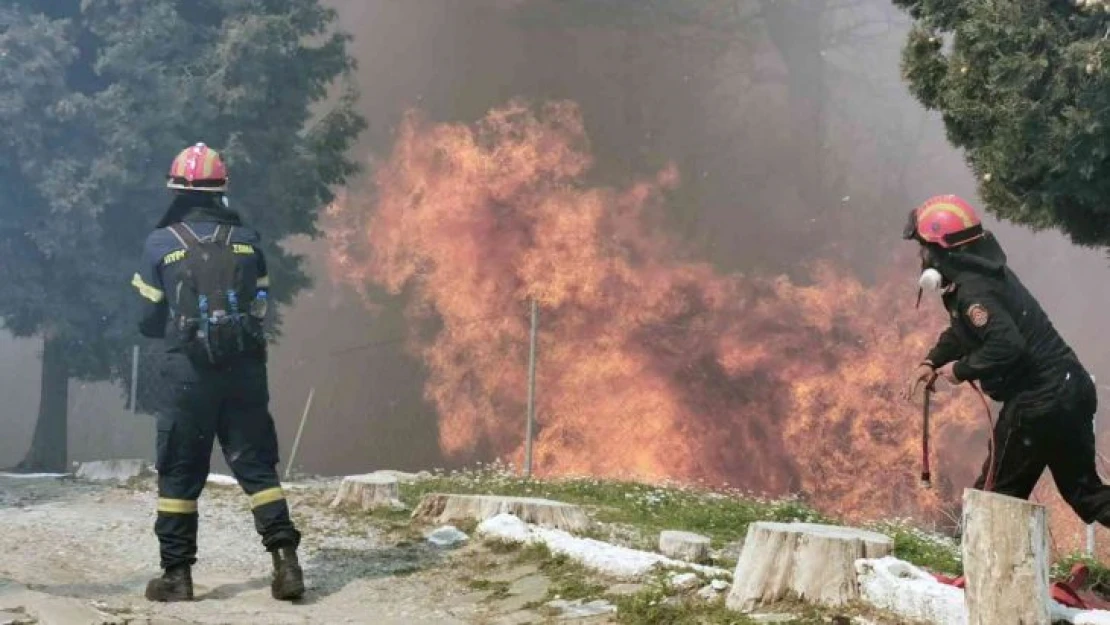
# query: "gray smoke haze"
x,y
761,191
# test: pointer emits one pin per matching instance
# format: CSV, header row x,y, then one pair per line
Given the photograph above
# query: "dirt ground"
x,y
74,553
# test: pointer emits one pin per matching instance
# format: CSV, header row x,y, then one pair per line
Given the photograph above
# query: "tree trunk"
x,y
442,508
1005,554
367,492
802,561
685,546
49,446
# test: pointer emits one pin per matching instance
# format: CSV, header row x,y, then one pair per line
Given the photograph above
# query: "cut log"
x,y
368,492
802,561
1005,554
443,508
684,546
113,470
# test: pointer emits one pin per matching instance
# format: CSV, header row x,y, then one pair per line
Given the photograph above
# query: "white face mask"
x,y
930,280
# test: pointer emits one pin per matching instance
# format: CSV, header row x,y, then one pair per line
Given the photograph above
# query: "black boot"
x,y
288,583
176,584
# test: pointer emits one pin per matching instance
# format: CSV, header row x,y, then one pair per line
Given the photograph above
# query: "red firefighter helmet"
x,y
944,220
198,168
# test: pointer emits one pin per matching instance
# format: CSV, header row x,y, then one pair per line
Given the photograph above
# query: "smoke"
x,y
716,111
710,110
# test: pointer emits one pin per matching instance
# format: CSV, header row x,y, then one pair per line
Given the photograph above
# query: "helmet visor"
x,y
910,229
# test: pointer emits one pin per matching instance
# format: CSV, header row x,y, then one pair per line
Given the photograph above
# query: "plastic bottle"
x,y
260,304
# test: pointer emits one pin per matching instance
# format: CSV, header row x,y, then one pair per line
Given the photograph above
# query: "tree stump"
x,y
120,470
368,492
684,546
803,561
442,508
1005,553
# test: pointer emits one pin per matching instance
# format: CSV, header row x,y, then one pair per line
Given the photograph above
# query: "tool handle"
x,y
926,474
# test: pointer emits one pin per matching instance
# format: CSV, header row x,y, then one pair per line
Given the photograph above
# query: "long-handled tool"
x,y
926,474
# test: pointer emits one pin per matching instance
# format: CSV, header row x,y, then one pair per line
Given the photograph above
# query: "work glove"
x,y
923,375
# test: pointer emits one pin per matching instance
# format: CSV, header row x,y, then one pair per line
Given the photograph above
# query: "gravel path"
x,y
77,553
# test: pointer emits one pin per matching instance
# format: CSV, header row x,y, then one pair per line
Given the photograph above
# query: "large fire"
x,y
652,365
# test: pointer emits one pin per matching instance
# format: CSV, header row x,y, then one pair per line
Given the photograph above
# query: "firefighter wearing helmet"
x,y
204,287
1001,339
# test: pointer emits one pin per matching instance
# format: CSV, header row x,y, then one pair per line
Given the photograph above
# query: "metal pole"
x,y
530,429
1091,527
134,379
300,430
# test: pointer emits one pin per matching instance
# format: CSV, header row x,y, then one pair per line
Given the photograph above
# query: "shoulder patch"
x,y
173,257
978,315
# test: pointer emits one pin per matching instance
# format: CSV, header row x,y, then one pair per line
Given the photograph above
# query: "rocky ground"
x,y
76,553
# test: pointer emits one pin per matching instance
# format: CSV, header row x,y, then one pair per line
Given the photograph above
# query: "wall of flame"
x,y
652,364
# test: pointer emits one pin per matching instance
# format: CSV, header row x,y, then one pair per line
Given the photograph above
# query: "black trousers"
x,y
200,405
1051,427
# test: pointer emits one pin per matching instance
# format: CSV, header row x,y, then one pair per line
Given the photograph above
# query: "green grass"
x,y
498,590
724,516
569,579
1099,573
501,546
654,608
929,551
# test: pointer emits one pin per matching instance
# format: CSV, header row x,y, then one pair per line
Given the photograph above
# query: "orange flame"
x,y
652,365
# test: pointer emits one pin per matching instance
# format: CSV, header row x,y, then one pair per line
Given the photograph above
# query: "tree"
x,y
97,98
1024,90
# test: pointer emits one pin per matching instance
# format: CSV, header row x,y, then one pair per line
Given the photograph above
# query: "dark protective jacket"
x,y
999,336
163,250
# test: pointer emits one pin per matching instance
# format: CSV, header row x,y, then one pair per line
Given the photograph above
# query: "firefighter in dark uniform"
x,y
227,402
1001,339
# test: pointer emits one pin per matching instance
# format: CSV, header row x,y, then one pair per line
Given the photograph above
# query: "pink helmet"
x,y
944,220
198,168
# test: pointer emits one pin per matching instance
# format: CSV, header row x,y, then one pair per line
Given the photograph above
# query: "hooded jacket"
x,y
998,334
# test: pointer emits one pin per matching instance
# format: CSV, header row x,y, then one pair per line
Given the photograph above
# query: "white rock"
x,y
905,590
219,479
1061,612
719,585
684,546
506,527
580,609
773,618
120,470
447,536
709,593
683,581
621,563
400,476
33,476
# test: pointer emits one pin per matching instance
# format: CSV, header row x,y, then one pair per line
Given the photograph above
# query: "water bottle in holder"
x,y
202,332
260,304
236,318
